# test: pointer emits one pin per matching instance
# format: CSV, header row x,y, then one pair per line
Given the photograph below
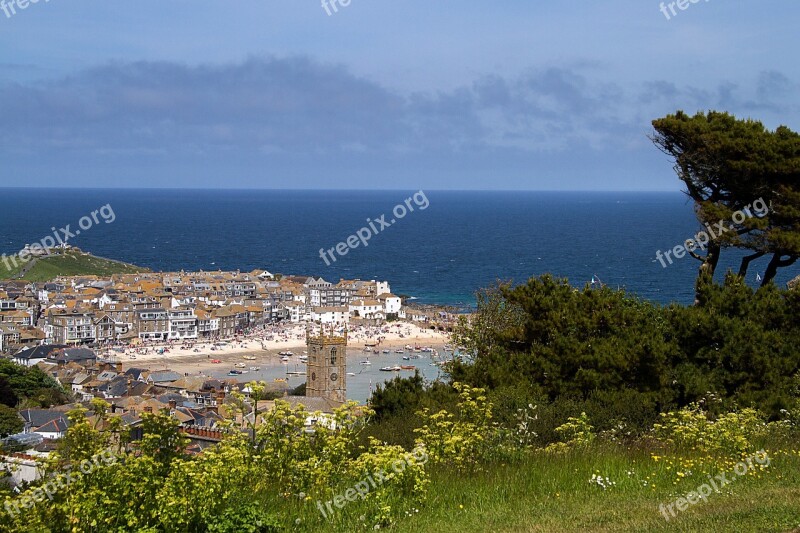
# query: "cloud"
x,y
298,106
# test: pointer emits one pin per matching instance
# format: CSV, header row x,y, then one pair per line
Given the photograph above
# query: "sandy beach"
x,y
262,348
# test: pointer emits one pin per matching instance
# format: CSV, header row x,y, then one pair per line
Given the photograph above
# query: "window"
x,y
333,356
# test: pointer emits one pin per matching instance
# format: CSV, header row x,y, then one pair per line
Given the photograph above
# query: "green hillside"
x,y
69,263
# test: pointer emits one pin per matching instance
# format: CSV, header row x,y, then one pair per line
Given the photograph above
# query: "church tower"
x,y
326,370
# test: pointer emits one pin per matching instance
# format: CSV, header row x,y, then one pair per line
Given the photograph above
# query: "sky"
x,y
371,94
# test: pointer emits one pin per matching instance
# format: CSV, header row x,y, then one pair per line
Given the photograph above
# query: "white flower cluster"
x,y
603,482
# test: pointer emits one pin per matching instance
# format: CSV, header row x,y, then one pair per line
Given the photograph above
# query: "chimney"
x,y
148,409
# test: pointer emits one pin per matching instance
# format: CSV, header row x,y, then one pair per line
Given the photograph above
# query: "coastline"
x,y
189,359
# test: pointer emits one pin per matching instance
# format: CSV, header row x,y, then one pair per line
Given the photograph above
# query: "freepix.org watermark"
x,y
10,7
59,482
714,485
700,240
372,482
362,236
60,237
332,6
668,8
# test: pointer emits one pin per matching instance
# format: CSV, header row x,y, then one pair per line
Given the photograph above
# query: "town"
x,y
102,337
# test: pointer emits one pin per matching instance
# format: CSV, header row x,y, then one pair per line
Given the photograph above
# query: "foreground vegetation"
x,y
464,469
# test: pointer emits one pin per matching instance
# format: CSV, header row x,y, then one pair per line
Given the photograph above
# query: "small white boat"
x,y
249,358
255,368
239,365
365,362
391,369
386,351
351,373
399,351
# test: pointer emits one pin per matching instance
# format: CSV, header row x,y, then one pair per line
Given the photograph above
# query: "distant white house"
x,y
330,315
296,311
391,303
369,309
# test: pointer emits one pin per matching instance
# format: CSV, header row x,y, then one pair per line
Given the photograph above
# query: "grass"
x,y
553,493
70,264
9,271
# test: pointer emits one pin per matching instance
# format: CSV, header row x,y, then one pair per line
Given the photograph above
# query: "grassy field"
x,y
8,270
554,493
69,264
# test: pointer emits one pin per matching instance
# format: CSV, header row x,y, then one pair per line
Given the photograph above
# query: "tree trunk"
x,y
774,264
746,263
707,269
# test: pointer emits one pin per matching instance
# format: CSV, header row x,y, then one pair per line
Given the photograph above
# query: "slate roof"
x,y
163,376
39,352
74,354
37,418
59,425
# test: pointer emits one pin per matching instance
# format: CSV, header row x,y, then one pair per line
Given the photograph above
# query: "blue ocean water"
x,y
462,241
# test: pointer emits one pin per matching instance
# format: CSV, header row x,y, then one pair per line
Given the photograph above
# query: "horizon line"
x,y
62,188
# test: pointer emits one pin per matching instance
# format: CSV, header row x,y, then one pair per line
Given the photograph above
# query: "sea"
x,y
441,247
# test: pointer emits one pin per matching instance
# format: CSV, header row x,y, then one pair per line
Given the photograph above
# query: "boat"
x,y
386,351
391,369
295,373
280,380
406,358
408,347
255,368
235,373
249,358
351,373
286,353
284,359
239,365
365,362
216,361
408,367
399,351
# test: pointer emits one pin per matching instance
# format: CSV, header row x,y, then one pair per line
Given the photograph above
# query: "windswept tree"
x,y
732,167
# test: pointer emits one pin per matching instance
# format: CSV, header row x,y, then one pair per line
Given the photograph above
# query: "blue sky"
x,y
387,95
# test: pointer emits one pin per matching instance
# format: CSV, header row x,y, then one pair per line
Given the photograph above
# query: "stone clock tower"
x,y
326,370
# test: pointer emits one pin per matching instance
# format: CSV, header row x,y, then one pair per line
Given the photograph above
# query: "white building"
x,y
391,303
330,315
369,309
182,324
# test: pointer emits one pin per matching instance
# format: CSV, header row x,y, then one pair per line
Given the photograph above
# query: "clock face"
x,y
313,376
334,376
